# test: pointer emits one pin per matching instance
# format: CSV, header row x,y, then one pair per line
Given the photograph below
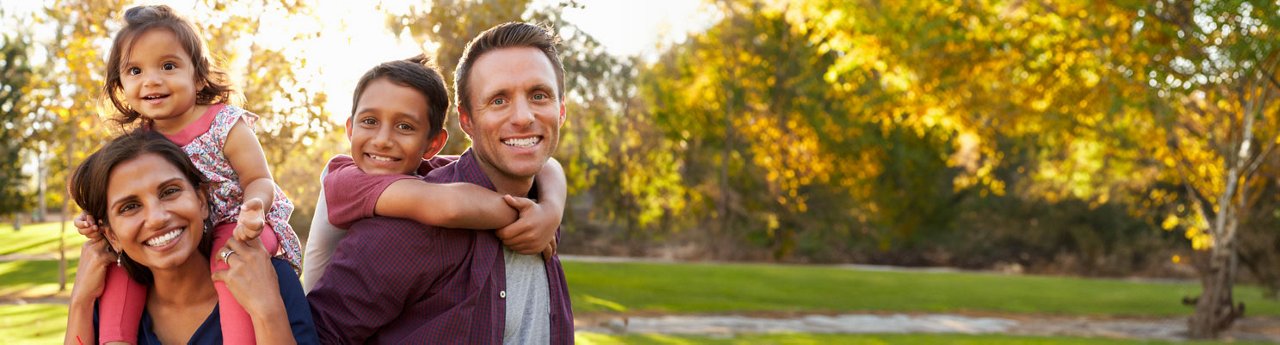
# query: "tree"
x,y
15,75
1214,66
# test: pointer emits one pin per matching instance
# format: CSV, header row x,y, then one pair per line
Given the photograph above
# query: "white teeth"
x,y
522,142
381,158
164,239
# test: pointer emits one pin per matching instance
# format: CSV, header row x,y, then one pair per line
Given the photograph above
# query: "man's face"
x,y
389,129
516,113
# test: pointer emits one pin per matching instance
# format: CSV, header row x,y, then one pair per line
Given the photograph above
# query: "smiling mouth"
x,y
381,158
523,142
166,238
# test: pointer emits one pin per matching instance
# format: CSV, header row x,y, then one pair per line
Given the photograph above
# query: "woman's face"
x,y
153,213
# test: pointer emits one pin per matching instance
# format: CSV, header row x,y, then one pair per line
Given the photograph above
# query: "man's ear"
x,y
436,144
464,120
562,113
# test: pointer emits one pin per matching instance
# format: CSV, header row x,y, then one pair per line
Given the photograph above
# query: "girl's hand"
x,y
91,274
251,277
249,224
533,231
87,226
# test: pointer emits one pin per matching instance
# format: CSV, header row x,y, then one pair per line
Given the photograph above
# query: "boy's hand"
x,y
249,224
87,226
532,232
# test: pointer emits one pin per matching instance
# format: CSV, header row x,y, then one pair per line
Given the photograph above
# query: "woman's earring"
x,y
118,256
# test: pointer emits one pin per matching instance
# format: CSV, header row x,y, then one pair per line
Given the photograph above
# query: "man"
x,y
398,281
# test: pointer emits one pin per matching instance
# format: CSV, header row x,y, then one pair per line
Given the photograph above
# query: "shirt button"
x,y
502,294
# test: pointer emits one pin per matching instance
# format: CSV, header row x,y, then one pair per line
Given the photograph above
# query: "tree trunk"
x,y
1215,309
62,232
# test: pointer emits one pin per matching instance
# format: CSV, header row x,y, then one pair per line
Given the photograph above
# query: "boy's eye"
x,y
404,127
133,71
368,121
169,66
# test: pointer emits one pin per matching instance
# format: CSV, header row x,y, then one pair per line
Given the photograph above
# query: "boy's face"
x,y
389,129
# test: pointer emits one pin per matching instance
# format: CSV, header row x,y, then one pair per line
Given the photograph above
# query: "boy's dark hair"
x,y
506,35
88,184
140,19
417,73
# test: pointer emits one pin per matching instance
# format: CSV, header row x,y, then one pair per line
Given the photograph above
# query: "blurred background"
x,y
1126,138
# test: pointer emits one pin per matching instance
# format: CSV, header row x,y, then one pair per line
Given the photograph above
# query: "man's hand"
x,y
534,232
249,224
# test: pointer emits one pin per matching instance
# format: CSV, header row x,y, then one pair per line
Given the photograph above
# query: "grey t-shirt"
x,y
528,300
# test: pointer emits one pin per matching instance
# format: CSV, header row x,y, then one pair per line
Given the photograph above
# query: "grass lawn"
x,y
650,288
38,239
730,288
33,323
871,339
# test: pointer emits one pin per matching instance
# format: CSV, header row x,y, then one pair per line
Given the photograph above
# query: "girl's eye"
x,y
134,71
169,66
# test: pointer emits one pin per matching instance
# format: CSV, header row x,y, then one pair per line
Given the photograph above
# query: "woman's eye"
x,y
169,66
134,71
169,191
126,208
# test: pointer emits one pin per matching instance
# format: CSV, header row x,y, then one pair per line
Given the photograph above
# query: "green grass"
x,y
730,288
586,338
33,323
38,239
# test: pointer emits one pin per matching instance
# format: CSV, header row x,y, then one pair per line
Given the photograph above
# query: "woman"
x,y
155,211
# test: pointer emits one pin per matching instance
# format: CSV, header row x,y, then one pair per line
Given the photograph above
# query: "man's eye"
x,y
499,101
539,97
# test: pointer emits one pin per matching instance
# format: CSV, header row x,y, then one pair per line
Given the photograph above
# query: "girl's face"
x,y
154,214
159,79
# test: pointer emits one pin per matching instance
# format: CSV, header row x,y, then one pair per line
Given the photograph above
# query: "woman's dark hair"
x,y
89,183
140,19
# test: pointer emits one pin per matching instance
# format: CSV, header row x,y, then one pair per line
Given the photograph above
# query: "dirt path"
x,y
1255,329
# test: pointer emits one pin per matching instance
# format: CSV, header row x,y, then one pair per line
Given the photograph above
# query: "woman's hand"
x,y
251,277
91,274
253,282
